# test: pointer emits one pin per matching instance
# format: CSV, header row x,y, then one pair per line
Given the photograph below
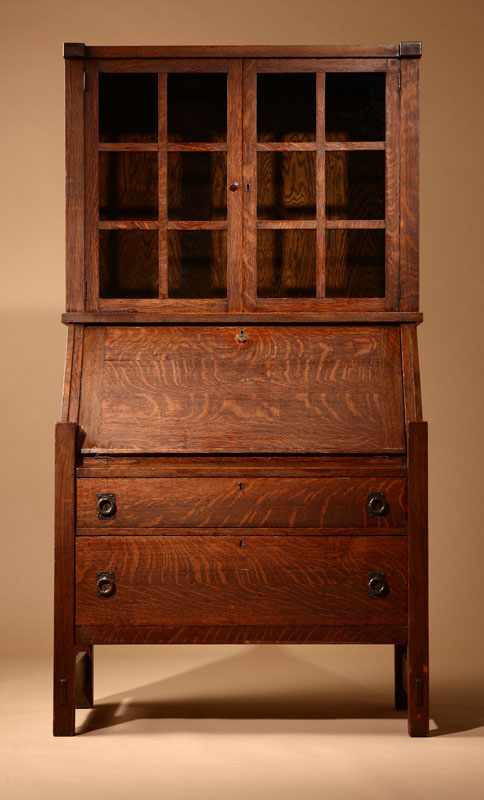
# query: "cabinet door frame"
x,y
233,148
252,67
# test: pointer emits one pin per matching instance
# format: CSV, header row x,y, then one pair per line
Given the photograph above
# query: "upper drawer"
x,y
271,390
243,502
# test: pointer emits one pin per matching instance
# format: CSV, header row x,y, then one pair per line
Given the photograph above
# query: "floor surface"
x,y
237,722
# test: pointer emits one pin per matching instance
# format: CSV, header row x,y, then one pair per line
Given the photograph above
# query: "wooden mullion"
x,y
197,147
356,224
320,186
392,171
355,146
162,186
235,199
128,224
249,258
91,232
286,224
285,147
198,225
137,147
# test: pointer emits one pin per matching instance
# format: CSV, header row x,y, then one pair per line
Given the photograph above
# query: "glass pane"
x,y
128,263
355,263
286,107
355,185
355,107
128,107
286,185
286,263
128,185
197,186
197,107
197,264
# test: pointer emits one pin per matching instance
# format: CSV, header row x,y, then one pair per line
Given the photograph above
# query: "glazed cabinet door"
x,y
320,164
164,197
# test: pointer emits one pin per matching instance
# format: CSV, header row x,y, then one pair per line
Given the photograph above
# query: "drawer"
x,y
225,580
242,502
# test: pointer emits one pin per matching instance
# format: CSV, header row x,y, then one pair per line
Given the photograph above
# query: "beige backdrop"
x,y
452,269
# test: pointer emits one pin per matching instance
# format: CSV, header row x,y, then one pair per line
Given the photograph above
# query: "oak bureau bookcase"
x,y
241,456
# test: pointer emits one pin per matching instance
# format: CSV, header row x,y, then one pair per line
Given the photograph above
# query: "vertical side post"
x,y
409,179
400,659
64,643
418,645
74,133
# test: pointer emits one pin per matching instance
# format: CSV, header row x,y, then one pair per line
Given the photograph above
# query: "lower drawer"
x,y
224,580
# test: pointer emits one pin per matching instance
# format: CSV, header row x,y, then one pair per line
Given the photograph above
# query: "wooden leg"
x,y
401,700
64,645
418,655
84,679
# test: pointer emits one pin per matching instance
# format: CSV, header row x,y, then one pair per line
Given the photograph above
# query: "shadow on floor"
x,y
207,692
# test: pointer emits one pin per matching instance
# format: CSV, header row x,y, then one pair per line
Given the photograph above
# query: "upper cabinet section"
x,y
243,186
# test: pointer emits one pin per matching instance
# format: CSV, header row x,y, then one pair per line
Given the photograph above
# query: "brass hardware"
x,y
234,186
377,584
106,584
377,504
242,337
106,505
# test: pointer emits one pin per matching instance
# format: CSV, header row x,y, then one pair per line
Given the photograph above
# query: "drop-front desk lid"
x,y
206,389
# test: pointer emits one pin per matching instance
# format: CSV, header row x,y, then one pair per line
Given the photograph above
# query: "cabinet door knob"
x,y
106,505
377,584
105,584
234,186
377,504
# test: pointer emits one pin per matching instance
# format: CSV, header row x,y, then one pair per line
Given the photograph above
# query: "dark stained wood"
x,y
246,503
237,51
236,466
418,635
300,317
72,381
74,159
356,224
235,199
412,398
129,147
226,581
320,186
392,189
241,634
201,390
400,666
241,434
409,180
410,49
332,146
64,644
74,50
84,678
240,532
91,234
249,171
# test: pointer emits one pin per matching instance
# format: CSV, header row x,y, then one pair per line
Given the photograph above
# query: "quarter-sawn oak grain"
x,y
226,581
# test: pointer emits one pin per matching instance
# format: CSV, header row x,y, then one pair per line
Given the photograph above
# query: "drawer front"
x,y
224,580
242,502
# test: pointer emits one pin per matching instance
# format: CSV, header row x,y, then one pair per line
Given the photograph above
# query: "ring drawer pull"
x,y
377,584
106,505
106,584
377,504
